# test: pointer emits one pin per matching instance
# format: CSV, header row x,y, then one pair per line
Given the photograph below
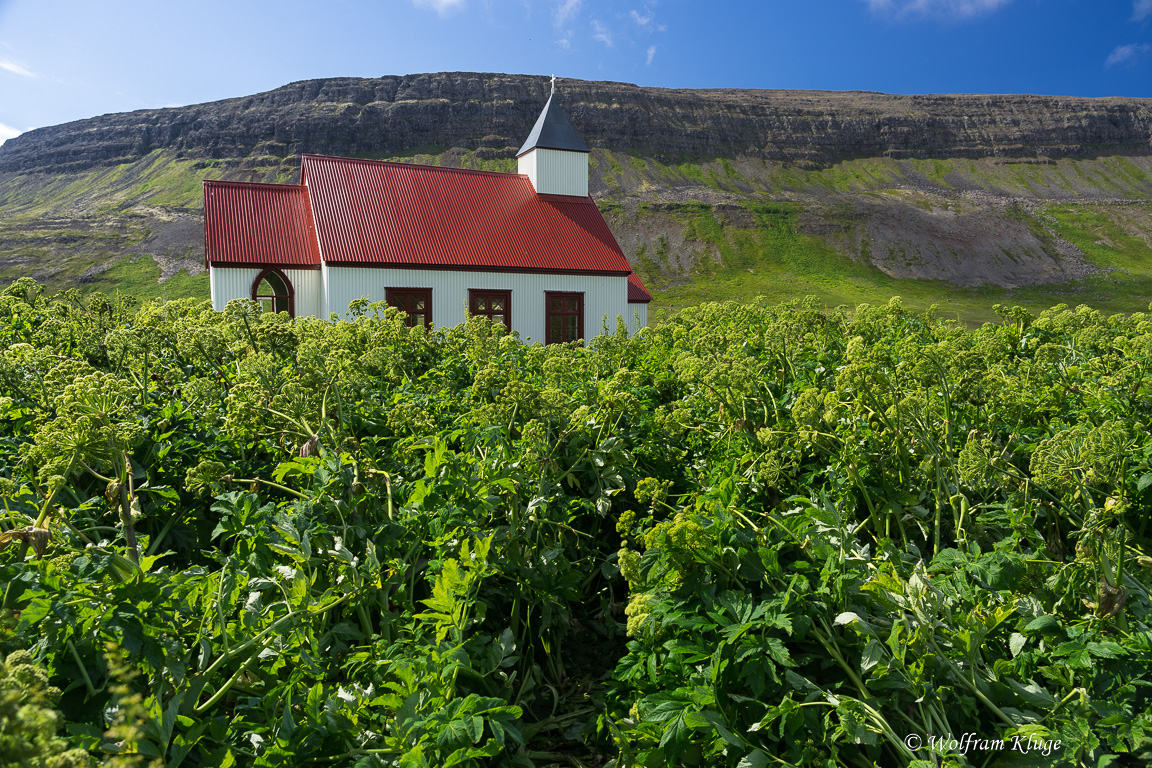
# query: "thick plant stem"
x,y
83,670
971,685
155,543
876,530
126,513
354,753
271,484
232,680
274,627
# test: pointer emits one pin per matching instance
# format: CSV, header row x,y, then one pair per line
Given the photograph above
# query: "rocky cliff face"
x,y
494,112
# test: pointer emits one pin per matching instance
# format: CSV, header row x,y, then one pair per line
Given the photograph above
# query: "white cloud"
x,y
566,41
1141,9
442,7
651,54
15,68
8,132
1127,54
566,11
601,33
948,8
644,19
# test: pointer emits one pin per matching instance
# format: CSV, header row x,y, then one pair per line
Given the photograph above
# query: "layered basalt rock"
x,y
493,112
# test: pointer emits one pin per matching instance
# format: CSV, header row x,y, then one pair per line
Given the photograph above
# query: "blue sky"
x,y
63,60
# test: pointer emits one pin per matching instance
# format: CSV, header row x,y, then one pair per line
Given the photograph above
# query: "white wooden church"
x,y
529,249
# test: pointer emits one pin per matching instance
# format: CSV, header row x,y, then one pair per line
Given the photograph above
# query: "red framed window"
x,y
272,290
494,305
563,317
417,302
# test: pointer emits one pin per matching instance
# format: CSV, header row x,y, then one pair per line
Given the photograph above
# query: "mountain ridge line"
x,y
491,113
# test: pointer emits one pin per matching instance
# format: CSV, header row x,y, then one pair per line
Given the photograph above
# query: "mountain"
x,y
712,193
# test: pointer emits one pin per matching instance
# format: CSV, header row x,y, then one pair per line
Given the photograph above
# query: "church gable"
x,y
248,224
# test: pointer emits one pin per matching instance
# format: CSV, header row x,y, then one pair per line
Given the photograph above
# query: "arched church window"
x,y
273,292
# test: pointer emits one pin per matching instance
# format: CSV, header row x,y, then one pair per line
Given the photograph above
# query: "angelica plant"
x,y
748,534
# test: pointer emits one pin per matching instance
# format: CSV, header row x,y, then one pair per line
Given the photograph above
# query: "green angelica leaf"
x,y
1033,694
507,648
287,723
300,585
35,611
414,758
895,644
314,703
873,654
754,759
183,743
1107,650
168,720
778,651
675,738
453,736
948,561
497,732
474,726
1044,625
716,720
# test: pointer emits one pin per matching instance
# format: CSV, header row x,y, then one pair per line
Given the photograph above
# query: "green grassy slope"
x,y
752,238
776,261
98,230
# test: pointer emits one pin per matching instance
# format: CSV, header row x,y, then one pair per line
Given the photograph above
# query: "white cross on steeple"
x,y
553,85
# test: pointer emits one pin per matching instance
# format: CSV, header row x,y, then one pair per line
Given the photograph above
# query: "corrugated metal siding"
x,y
307,283
374,212
637,317
325,291
605,297
526,166
249,224
228,283
555,172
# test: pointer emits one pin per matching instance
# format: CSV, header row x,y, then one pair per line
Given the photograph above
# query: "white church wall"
x,y
637,316
526,164
308,291
556,171
228,283
604,297
325,291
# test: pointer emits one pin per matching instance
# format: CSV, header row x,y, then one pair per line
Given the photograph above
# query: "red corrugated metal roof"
x,y
258,224
399,214
637,293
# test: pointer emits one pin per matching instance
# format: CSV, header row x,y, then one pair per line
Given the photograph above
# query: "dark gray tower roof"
x,y
553,131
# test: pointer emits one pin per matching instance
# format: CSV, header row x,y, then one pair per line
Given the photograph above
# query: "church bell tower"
x,y
554,157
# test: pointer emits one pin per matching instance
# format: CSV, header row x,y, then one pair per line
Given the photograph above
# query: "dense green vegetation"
x,y
749,536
